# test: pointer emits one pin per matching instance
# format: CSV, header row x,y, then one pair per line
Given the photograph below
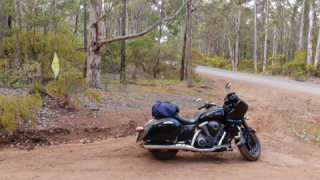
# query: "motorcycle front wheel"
x,y
251,149
163,153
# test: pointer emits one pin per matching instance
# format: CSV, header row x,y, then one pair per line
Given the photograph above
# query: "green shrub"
x,y
5,76
15,109
217,62
69,87
297,68
246,65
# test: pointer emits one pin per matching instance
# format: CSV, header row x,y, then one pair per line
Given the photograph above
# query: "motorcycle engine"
x,y
208,141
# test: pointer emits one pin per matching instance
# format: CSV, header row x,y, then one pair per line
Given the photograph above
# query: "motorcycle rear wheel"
x,y
251,150
163,153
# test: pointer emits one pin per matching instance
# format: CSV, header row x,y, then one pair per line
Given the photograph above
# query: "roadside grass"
x,y
307,131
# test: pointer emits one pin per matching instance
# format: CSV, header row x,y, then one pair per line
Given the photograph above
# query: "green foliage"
x,y
31,70
217,62
37,88
69,87
15,109
5,76
40,50
297,68
276,68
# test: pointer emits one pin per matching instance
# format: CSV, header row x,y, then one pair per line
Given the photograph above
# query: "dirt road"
x,y
265,80
274,112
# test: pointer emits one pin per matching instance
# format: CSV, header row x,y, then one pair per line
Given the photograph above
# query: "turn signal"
x,y
139,129
247,118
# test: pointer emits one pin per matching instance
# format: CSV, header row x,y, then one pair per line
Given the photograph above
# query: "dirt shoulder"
x,y
277,116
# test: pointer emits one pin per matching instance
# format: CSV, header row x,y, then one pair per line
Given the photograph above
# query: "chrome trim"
x,y
168,122
222,138
195,137
184,147
240,134
203,124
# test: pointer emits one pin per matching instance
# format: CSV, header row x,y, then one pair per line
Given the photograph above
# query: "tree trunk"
x,y
255,38
95,44
292,31
94,54
310,34
190,83
231,54
316,60
18,33
266,40
183,54
236,63
123,44
85,41
302,26
156,67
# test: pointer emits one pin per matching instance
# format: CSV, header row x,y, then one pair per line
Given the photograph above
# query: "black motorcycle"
x,y
210,131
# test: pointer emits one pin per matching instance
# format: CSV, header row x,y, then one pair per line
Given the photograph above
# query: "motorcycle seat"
x,y
185,121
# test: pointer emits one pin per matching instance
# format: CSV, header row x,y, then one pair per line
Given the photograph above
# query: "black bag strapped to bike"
x,y
164,110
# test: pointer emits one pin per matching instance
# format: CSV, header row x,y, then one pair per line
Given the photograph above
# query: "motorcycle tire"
x,y
164,154
251,150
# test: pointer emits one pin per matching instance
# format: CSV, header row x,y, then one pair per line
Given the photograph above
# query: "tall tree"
x,y
123,44
310,34
95,44
266,38
238,23
189,3
18,11
85,41
317,56
302,26
183,54
255,37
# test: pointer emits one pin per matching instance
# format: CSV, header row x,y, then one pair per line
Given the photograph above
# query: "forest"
x,y
101,41
268,37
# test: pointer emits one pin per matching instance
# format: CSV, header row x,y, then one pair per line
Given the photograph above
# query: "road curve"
x,y
287,84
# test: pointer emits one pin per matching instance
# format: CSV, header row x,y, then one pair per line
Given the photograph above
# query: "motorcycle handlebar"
x,y
207,106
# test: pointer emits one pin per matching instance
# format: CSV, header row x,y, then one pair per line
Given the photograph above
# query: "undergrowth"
x,y
15,109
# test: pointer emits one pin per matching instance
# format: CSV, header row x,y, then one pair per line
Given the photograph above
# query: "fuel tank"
x,y
216,113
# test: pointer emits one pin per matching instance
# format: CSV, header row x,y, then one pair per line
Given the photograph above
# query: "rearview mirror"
x,y
228,86
199,100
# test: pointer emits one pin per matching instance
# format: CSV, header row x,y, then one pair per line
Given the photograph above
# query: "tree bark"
x,y
317,56
292,31
94,54
85,41
123,44
255,38
18,33
266,40
183,54
302,26
156,67
236,63
190,83
310,34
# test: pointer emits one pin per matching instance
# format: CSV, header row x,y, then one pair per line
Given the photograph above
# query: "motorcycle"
x,y
210,131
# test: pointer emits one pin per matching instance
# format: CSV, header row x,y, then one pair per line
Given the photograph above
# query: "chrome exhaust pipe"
x,y
184,147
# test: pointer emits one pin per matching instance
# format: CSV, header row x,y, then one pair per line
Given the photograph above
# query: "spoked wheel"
x,y
251,149
164,153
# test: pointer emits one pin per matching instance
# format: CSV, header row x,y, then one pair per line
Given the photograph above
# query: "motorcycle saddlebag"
x,y
161,130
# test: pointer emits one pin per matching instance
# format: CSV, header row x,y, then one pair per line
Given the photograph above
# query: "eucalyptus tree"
x,y
95,42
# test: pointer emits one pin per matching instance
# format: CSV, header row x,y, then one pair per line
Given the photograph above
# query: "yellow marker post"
x,y
55,66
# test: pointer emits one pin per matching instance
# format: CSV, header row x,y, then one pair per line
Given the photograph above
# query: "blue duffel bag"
x,y
164,110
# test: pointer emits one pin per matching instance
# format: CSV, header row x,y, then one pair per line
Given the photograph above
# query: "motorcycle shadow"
x,y
207,157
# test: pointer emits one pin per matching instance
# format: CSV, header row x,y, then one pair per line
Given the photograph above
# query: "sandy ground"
x,y
284,155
